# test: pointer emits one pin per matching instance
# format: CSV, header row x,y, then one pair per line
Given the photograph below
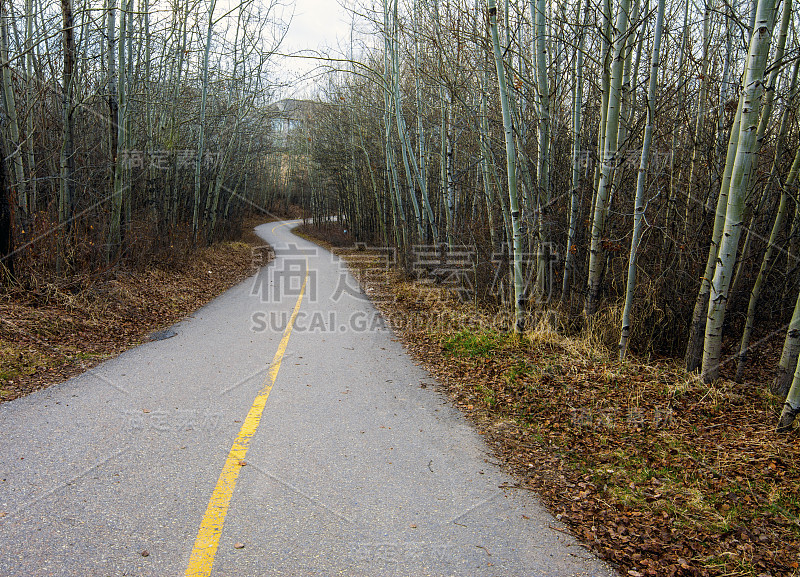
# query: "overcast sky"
x,y
317,25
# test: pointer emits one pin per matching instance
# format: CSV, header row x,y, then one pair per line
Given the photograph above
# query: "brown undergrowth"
x,y
657,472
61,329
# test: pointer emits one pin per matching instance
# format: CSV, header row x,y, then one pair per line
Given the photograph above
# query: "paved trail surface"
x,y
183,448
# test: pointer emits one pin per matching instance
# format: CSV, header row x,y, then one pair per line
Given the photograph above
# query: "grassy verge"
x,y
659,473
62,330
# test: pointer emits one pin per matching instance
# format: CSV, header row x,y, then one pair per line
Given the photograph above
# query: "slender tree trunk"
x,y
420,103
606,47
577,160
755,293
6,223
202,122
791,406
511,164
398,211
639,206
408,154
538,17
113,131
488,189
447,165
29,74
766,113
126,120
118,100
20,182
751,103
66,200
699,129
672,201
609,161
724,90
788,362
694,348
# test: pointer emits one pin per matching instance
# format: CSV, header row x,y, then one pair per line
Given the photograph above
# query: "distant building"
x,y
289,115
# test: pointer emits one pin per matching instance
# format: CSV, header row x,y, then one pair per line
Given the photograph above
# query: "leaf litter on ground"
x,y
654,470
61,330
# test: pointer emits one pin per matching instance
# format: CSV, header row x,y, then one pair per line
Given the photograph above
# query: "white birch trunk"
x,y
511,161
766,113
538,13
577,156
639,205
608,162
751,105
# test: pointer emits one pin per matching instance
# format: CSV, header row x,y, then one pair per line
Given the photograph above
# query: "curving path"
x,y
180,457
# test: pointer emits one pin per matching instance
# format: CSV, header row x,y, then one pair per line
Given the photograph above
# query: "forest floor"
x,y
64,328
659,473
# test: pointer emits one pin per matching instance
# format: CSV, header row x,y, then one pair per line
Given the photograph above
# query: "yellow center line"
x,y
205,546
280,225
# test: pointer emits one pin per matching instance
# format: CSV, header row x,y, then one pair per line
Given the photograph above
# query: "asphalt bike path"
x,y
283,430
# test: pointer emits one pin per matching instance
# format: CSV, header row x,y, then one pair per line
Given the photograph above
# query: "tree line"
x,y
130,127
633,163
628,167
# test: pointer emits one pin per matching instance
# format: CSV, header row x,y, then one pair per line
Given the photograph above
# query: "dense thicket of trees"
x,y
631,163
627,167
130,126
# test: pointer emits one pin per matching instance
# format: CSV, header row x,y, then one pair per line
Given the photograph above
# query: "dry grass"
x,y
659,472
